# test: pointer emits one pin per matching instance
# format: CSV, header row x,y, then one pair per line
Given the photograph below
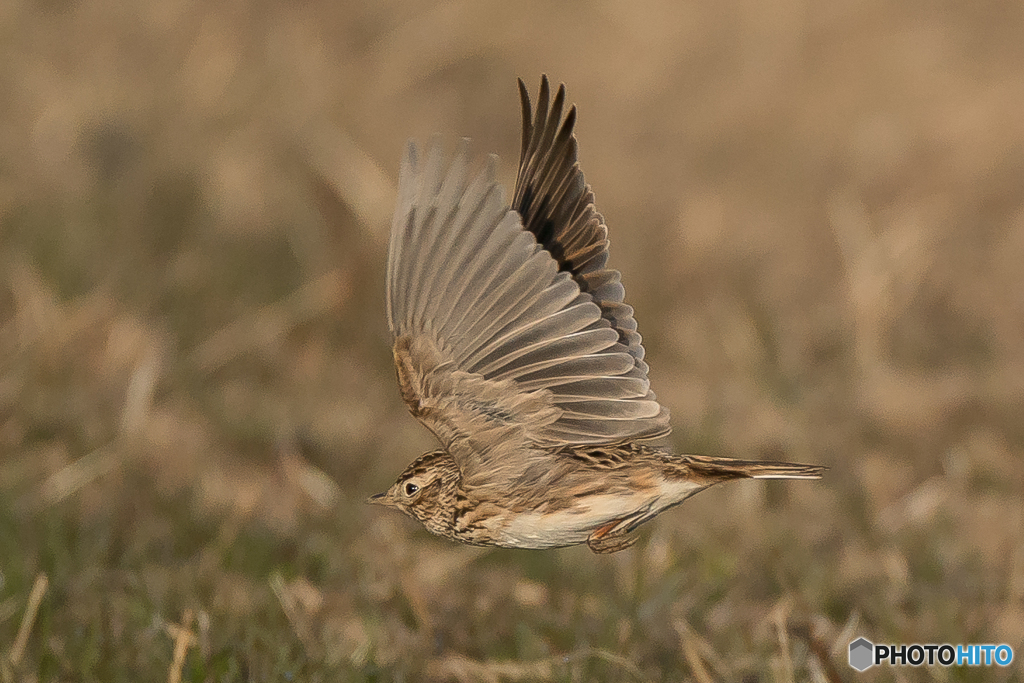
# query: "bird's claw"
x,y
605,541
610,544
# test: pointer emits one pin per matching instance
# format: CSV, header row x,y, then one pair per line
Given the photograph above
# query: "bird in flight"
x,y
514,346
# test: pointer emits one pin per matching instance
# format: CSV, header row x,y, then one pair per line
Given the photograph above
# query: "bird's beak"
x,y
379,499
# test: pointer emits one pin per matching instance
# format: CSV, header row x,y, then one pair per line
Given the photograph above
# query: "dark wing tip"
x,y
569,124
527,112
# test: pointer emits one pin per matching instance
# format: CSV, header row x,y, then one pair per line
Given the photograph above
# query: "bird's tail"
x,y
720,469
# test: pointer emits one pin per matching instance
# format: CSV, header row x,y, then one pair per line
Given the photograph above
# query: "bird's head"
x,y
425,490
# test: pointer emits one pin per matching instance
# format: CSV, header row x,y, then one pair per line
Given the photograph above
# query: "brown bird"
x,y
514,347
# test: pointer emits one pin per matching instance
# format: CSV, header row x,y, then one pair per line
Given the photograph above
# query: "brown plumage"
x,y
514,346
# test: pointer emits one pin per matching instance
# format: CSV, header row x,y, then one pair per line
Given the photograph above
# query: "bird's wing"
x,y
498,350
557,206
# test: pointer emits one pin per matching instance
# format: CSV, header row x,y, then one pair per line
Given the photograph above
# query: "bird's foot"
x,y
604,540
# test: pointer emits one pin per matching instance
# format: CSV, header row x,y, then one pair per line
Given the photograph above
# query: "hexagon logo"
x,y
862,654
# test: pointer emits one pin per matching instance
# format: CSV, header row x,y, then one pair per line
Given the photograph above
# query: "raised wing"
x,y
497,345
557,206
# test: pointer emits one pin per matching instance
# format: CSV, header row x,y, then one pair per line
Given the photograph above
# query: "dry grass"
x,y
818,211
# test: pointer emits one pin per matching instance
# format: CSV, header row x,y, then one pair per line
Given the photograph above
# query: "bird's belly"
x,y
570,526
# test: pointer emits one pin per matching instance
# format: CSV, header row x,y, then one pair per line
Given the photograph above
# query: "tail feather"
x,y
728,468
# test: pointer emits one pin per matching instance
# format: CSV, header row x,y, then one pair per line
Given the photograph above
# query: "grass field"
x,y
818,212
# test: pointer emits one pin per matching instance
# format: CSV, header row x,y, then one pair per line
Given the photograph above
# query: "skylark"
x,y
514,347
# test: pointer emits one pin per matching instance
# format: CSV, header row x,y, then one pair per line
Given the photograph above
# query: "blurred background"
x,y
817,210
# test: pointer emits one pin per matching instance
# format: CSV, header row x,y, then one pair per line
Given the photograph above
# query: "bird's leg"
x,y
604,540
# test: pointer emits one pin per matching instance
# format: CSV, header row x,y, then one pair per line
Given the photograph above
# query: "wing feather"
x,y
558,207
532,373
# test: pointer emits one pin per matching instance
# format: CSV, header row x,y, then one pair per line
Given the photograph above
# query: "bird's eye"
x,y
411,489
